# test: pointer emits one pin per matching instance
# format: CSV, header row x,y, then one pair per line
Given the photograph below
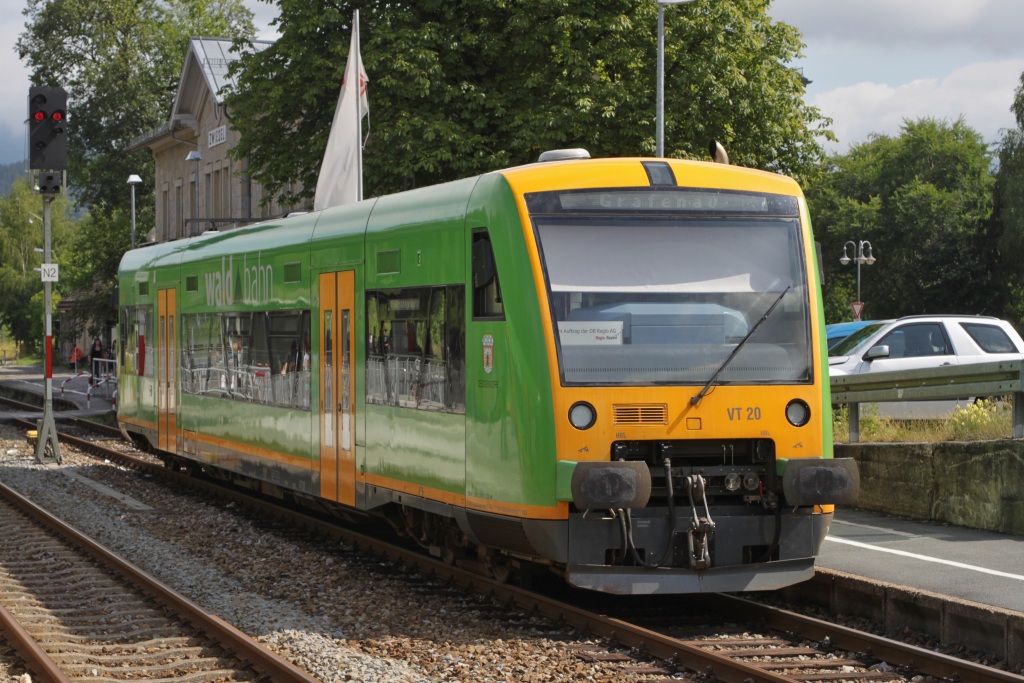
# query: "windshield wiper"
x,y
696,399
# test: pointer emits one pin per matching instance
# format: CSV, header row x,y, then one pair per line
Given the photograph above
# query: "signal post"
x,y
48,154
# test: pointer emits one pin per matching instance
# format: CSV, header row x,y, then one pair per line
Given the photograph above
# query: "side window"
x,y
487,301
914,341
990,338
144,340
122,335
258,357
415,348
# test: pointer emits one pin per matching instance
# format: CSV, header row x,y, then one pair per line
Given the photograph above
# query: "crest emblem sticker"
x,y
488,344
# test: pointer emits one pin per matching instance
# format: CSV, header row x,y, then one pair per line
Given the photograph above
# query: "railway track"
x,y
75,611
762,644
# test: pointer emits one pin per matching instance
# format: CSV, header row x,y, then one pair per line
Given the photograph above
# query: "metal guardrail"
x,y
999,378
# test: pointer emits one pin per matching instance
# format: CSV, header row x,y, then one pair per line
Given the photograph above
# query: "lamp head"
x,y
194,155
868,258
134,179
844,259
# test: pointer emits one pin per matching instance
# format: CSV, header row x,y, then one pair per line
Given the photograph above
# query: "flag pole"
x,y
341,171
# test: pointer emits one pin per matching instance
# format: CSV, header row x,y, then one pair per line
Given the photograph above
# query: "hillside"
x,y
8,174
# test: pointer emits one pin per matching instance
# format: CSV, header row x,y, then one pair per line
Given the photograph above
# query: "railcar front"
x,y
682,318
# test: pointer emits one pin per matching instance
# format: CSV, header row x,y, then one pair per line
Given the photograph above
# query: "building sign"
x,y
217,136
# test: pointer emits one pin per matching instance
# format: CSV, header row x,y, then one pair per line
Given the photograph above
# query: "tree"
x,y
460,88
1008,214
120,63
923,200
21,232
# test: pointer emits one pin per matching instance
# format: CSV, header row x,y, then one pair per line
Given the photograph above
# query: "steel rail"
x,y
232,639
32,656
893,652
661,646
664,647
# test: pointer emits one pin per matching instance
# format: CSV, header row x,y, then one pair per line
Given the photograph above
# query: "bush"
x,y
983,420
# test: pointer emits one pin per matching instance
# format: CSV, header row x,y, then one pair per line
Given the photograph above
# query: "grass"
x,y
8,351
984,420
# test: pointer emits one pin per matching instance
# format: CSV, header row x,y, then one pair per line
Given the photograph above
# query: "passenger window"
x,y
415,351
486,286
255,357
990,338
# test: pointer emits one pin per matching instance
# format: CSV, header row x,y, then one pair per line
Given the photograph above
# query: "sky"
x,y
872,63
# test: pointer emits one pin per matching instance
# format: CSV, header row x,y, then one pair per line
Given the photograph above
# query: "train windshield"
x,y
664,295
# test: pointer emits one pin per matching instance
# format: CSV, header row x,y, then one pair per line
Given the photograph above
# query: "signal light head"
x,y
50,183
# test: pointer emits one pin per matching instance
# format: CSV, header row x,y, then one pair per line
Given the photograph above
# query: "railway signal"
x,y
48,154
47,121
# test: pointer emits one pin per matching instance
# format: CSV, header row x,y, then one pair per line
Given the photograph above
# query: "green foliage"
x,y
120,63
21,232
460,88
982,420
1008,215
96,247
988,418
923,200
9,173
8,345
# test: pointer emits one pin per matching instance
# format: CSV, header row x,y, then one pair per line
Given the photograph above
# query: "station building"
x,y
198,186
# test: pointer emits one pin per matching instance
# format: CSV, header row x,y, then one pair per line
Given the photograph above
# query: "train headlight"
x,y
798,413
751,481
582,415
733,481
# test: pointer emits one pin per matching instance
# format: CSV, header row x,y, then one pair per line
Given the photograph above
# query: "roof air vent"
x,y
564,154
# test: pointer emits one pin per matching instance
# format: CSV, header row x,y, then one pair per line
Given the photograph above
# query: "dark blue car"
x,y
837,332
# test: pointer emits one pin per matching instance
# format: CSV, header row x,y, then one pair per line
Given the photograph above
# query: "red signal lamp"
x,y
57,116
39,116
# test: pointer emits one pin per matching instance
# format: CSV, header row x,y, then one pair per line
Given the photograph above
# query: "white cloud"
x,y
263,14
14,79
981,93
991,27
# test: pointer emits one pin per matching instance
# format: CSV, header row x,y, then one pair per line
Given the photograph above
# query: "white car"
x,y
924,341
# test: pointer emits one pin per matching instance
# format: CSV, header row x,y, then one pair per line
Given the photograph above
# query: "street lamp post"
x,y
861,257
660,111
133,180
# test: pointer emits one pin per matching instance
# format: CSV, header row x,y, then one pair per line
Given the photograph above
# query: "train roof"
x,y
448,200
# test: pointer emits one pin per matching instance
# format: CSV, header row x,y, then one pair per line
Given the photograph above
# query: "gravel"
x,y
336,613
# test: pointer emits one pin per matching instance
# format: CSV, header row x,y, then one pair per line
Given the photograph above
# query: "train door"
x,y
337,387
165,370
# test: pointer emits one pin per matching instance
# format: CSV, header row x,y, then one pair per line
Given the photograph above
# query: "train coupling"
x,y
700,526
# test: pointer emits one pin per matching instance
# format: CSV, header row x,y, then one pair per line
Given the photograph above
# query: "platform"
x,y
29,379
967,564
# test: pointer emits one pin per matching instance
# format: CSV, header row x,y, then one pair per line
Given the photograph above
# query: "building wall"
x,y
227,197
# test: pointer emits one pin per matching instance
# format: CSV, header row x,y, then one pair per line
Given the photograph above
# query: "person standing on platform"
x,y
95,354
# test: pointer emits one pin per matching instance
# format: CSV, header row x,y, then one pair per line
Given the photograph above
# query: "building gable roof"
x,y
204,75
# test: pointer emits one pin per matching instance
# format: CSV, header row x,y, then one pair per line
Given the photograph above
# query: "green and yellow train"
x,y
612,369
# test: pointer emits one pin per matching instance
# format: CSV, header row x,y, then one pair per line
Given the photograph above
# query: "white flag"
x,y
341,173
